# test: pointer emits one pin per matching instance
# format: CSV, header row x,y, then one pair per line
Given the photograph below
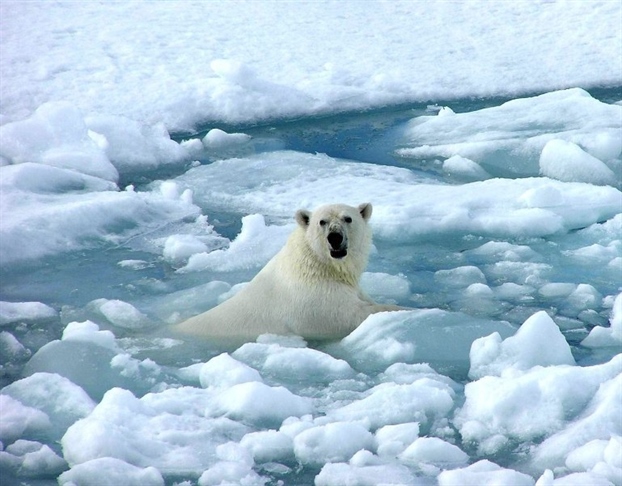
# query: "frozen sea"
x,y
152,156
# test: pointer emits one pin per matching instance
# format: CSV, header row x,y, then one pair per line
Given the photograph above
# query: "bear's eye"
x,y
347,219
322,222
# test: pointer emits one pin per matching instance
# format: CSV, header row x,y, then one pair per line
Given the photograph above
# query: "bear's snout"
x,y
338,245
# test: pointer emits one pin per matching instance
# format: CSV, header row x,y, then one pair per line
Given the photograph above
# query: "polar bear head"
x,y
337,232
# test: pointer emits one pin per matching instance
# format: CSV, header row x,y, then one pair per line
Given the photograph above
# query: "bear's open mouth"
x,y
338,254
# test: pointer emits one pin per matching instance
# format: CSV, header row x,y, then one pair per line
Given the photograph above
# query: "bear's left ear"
x,y
303,217
365,210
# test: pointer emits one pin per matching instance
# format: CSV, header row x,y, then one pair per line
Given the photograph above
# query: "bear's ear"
x,y
365,210
303,217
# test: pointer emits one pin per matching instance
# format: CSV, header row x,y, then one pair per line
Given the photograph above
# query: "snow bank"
x,y
132,146
56,135
567,135
54,210
495,207
235,62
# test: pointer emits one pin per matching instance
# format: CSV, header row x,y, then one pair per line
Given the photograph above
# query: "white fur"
x,y
303,290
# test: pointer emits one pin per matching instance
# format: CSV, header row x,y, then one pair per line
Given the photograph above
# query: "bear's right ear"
x,y
303,217
365,209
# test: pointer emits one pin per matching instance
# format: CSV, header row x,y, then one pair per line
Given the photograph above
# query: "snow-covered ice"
x,y
243,61
152,156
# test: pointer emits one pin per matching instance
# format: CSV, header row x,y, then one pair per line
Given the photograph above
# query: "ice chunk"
x,y
230,472
538,342
179,248
11,349
555,290
26,458
18,420
164,430
24,311
460,277
121,314
418,335
252,248
588,455
575,479
333,442
598,420
566,161
92,359
186,303
585,296
432,451
218,139
235,467
384,287
367,475
258,404
394,439
536,404
291,364
464,169
61,400
390,403
269,445
611,336
109,471
223,371
56,135
132,146
494,251
88,331
484,473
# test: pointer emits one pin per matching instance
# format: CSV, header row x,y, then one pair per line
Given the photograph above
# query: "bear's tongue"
x,y
338,253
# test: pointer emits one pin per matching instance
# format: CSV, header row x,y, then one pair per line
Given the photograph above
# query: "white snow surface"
x,y
243,60
498,223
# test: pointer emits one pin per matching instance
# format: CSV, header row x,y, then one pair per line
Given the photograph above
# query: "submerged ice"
x,y
505,242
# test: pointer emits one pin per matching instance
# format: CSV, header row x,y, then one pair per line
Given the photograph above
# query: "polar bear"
x,y
310,288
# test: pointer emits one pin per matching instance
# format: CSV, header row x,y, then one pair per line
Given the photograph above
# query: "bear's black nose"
x,y
335,240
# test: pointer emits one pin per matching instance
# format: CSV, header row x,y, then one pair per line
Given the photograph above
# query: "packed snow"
x,y
186,64
151,161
